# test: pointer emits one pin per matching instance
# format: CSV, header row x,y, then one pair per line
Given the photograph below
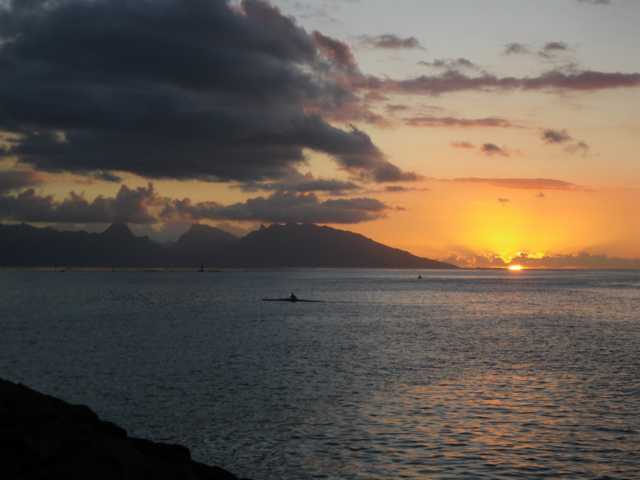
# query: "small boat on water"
x,y
292,299
299,300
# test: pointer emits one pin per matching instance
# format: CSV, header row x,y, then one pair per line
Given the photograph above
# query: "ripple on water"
x,y
462,375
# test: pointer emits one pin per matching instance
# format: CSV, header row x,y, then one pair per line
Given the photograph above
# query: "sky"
x,y
485,133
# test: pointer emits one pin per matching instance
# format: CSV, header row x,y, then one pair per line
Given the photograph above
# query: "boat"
x,y
292,299
298,300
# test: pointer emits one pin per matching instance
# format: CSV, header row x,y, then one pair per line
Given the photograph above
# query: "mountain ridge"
x,y
275,246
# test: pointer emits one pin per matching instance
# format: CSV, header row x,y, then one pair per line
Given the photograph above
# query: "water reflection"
x,y
505,423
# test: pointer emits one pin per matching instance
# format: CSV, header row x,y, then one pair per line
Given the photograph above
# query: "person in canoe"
x,y
293,298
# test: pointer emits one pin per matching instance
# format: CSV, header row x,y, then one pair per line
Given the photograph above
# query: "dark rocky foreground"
x,y
42,437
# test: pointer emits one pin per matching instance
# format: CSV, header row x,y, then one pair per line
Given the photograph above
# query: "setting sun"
x,y
516,268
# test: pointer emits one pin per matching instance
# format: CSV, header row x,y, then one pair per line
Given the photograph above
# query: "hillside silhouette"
x,y
291,245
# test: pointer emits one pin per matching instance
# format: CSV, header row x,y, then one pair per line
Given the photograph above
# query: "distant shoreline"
x,y
195,269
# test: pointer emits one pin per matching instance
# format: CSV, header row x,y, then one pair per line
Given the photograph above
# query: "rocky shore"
x,y
42,437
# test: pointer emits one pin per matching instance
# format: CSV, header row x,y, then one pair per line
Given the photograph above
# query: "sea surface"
x,y
463,374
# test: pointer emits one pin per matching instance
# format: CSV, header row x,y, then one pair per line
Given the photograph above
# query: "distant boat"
x,y
291,298
297,300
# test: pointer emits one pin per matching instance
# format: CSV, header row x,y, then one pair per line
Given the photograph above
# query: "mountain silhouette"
x,y
25,245
290,245
307,245
118,232
201,244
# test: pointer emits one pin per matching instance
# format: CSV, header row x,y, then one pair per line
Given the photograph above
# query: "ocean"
x,y
462,374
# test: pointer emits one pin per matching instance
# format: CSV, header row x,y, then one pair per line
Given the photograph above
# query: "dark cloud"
x,y
451,122
557,80
516,49
339,53
562,137
551,49
282,207
523,183
491,149
176,89
129,205
402,189
18,179
391,42
107,177
396,189
451,64
548,51
298,183
143,206
580,148
555,47
488,149
556,136
396,107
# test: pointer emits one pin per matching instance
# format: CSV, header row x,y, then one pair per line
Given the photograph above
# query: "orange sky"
x,y
491,184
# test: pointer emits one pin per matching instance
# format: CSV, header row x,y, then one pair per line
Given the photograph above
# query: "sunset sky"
x,y
472,131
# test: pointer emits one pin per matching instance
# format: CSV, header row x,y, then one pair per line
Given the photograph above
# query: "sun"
x,y
516,268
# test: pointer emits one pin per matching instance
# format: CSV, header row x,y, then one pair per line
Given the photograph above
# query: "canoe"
x,y
298,300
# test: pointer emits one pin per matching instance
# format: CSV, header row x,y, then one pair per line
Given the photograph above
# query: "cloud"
x,y
390,189
282,207
463,145
551,49
453,122
556,136
18,179
336,51
596,2
451,64
562,137
173,89
548,51
552,81
392,108
144,206
299,183
491,149
515,48
523,183
551,260
488,149
107,177
129,205
396,189
580,148
391,42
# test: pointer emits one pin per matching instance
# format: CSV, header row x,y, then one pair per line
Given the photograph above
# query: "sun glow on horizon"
x,y
516,268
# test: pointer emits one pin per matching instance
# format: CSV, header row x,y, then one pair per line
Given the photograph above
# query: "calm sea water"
x,y
458,375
